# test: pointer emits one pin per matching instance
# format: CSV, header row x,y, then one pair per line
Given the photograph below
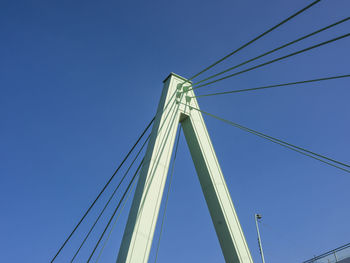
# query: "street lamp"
x,y
258,217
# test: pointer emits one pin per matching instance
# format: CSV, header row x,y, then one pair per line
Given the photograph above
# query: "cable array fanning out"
x,y
290,146
110,198
103,189
202,83
114,192
256,38
272,61
272,86
274,50
115,211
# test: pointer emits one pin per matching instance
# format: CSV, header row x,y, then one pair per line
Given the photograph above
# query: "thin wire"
x,y
256,38
115,221
167,195
160,112
103,189
110,198
108,182
115,211
272,61
294,146
278,141
271,86
274,50
156,158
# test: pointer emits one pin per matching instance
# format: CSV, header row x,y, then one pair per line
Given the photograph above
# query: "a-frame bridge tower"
x,y
174,107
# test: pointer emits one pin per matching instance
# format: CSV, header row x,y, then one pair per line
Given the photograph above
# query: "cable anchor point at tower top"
x,y
182,90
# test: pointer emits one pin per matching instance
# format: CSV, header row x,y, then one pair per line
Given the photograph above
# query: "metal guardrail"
x,y
339,254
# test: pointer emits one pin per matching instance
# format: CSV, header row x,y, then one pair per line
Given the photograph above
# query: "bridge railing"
x,y
338,255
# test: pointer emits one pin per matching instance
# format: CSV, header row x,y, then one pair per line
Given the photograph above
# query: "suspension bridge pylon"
x,y
175,107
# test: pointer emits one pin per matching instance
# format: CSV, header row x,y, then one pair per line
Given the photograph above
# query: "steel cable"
x,y
272,86
110,198
103,189
272,61
274,50
115,211
256,38
115,222
280,142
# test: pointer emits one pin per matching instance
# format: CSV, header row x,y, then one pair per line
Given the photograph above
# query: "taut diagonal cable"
x,y
103,189
272,61
115,211
110,198
256,38
281,142
274,50
115,222
272,86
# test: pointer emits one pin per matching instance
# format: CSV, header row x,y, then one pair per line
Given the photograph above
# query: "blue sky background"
x,y
80,80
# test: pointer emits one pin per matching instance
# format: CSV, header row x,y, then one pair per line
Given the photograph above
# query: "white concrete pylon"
x,y
139,231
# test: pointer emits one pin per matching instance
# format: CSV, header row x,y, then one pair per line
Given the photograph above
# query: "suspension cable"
x,y
103,189
272,61
114,224
167,115
271,86
280,142
167,195
115,211
110,198
122,178
115,221
256,38
274,50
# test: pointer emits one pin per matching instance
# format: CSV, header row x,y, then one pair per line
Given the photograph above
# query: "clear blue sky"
x,y
79,81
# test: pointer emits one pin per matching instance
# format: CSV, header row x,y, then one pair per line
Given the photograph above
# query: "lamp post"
x,y
257,217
